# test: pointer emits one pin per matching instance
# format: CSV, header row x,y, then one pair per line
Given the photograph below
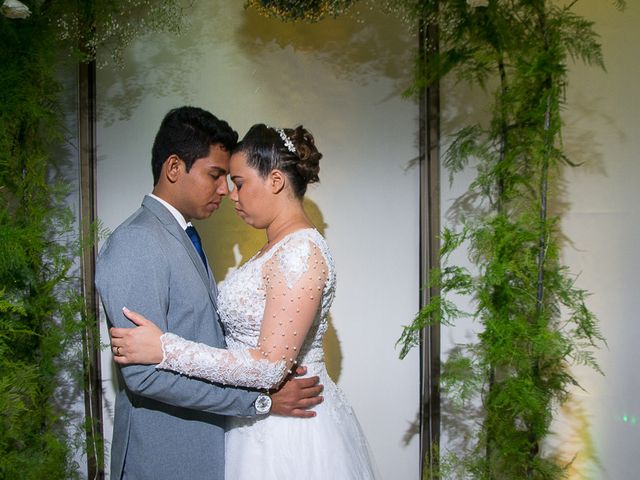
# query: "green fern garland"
x,y
534,319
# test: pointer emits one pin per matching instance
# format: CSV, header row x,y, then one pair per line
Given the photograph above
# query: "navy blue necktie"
x,y
195,239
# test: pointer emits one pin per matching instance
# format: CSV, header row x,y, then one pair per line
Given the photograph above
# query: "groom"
x,y
168,426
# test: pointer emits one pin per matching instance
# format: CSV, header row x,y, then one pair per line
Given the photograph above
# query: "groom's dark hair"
x,y
189,132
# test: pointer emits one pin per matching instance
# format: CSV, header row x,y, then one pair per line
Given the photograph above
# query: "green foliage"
x,y
42,312
34,262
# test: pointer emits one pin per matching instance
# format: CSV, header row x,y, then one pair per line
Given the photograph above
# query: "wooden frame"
x,y
429,151
91,339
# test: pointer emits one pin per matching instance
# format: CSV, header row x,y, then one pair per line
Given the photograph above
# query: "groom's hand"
x,y
297,396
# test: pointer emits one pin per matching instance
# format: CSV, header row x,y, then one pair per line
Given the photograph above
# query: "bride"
x,y
274,309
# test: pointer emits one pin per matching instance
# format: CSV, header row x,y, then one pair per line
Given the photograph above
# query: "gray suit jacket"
x,y
167,426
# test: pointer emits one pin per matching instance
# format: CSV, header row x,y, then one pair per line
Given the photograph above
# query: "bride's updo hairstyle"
x,y
292,151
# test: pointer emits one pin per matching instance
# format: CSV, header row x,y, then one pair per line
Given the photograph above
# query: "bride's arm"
x,y
293,279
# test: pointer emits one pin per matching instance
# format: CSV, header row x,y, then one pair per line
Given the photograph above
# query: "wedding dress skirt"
x,y
330,446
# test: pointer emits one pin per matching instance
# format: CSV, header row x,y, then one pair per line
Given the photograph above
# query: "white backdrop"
x,y
341,79
600,427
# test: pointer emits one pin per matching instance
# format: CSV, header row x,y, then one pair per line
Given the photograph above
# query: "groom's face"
x,y
204,186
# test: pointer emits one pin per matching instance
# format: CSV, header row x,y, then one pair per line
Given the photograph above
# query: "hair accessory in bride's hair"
x,y
287,141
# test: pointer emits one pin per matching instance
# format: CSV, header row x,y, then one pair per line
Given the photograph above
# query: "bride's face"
x,y
252,194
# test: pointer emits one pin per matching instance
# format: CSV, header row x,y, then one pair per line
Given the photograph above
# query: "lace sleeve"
x,y
294,279
229,367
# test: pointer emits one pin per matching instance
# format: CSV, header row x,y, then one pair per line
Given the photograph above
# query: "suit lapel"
x,y
210,279
174,228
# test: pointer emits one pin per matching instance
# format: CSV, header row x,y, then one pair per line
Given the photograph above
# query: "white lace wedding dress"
x,y
274,308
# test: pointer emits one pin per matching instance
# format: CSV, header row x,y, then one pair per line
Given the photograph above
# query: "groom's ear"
x,y
172,168
278,181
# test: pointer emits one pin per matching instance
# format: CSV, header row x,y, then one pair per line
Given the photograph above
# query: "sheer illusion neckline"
x,y
271,250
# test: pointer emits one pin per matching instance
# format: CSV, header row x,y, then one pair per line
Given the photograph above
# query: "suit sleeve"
x,y
133,271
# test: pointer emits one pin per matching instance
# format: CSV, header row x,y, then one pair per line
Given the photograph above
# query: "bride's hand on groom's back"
x,y
297,396
139,345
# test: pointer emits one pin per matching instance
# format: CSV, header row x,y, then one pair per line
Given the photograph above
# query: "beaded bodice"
x,y
242,296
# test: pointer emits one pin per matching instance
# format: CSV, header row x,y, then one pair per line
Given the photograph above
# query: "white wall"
x,y
603,222
341,79
600,427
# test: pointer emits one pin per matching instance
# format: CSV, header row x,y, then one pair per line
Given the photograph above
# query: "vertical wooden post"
x,y
91,343
429,131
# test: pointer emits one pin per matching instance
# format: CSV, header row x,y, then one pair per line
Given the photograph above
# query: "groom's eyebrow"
x,y
219,171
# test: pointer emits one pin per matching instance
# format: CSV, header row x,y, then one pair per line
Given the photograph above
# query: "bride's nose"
x,y
233,194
